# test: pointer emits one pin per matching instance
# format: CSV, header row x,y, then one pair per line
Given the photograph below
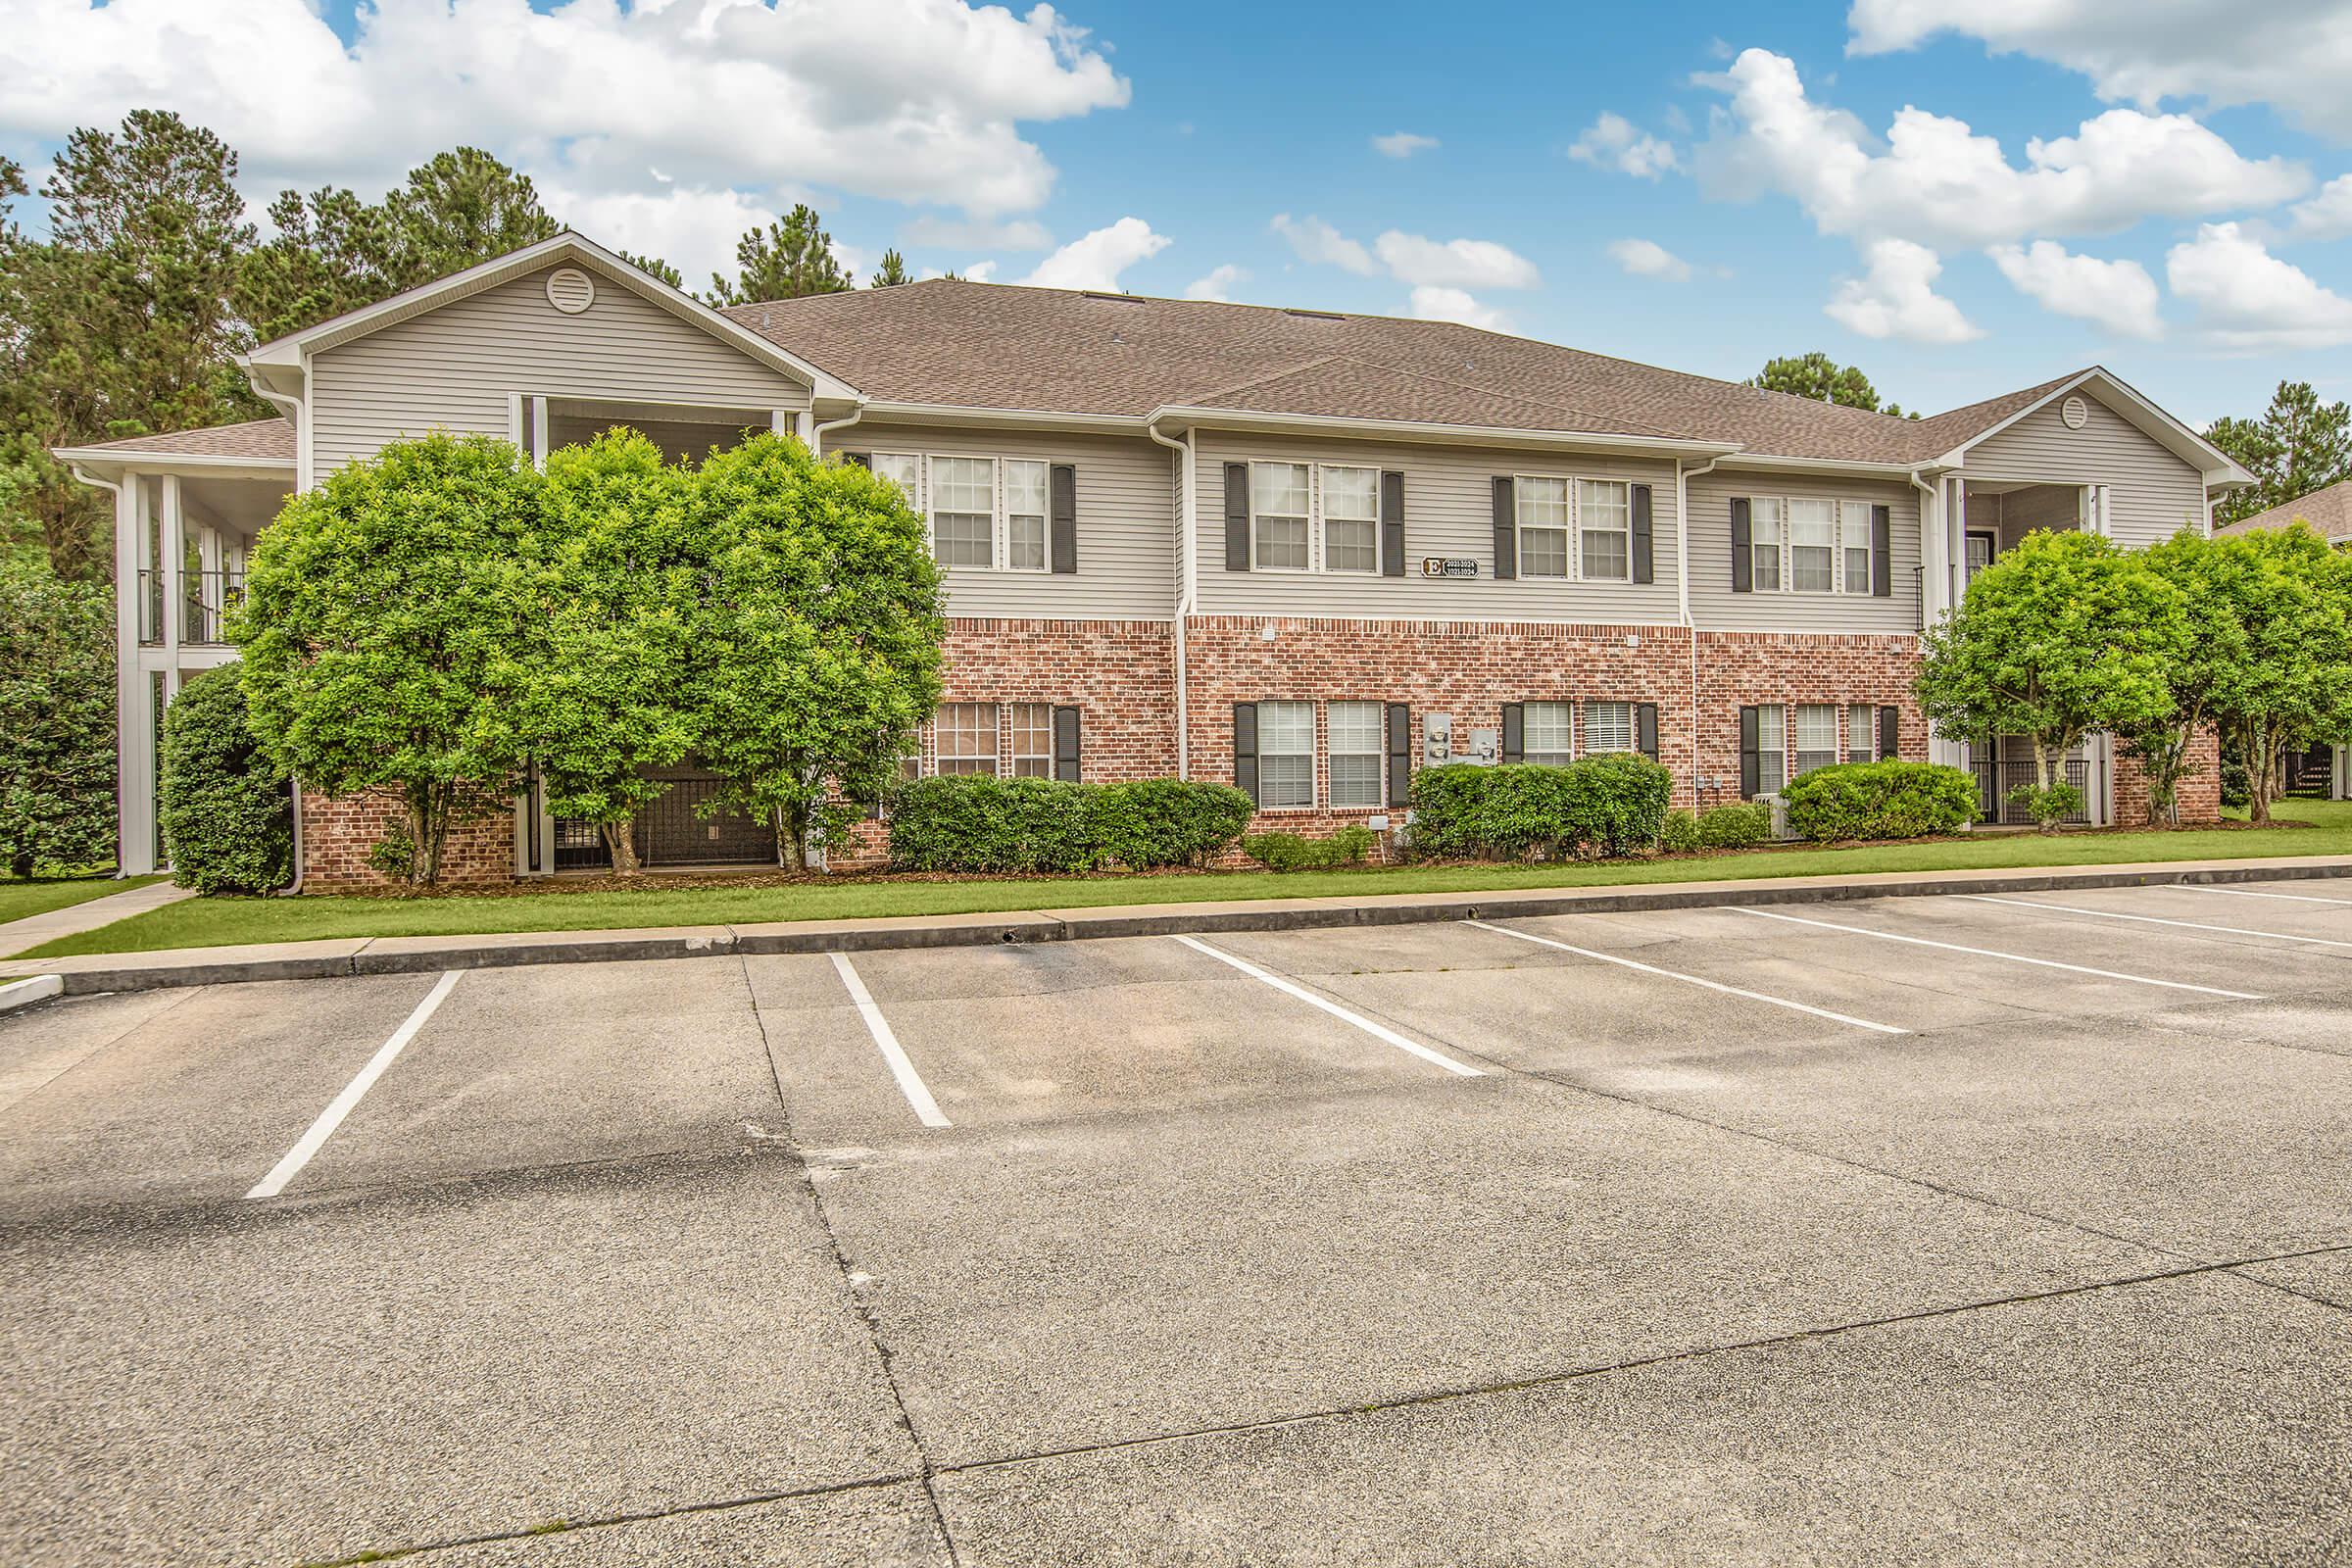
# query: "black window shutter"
x,y
1514,728
1643,572
1392,525
863,459
1743,559
1245,749
1750,773
1882,548
1065,743
1401,754
1507,530
1237,520
1891,733
1646,729
1062,528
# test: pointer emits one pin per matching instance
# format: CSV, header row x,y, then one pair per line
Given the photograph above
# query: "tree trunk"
x,y
792,842
19,865
2261,762
622,841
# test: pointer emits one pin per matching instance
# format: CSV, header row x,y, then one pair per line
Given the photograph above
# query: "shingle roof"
x,y
1004,346
261,440
2327,510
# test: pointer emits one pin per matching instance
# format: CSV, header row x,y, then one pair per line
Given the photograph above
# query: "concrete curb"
x,y
377,955
15,993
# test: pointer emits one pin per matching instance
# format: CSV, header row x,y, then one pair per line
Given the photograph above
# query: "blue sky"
x,y
1856,178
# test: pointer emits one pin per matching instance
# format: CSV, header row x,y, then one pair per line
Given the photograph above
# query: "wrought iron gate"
x,y
679,827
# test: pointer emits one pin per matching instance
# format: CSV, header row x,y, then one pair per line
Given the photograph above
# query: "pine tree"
x,y
2299,445
783,261
892,272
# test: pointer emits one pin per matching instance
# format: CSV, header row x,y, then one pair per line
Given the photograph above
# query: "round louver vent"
x,y
570,290
2075,413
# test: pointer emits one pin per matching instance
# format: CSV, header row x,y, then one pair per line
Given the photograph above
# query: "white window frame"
x,y
1849,529
1849,514
996,511
994,755
1777,752
1566,527
1868,713
914,493
1015,756
1796,731
1790,546
1633,728
1319,522
1777,545
1575,512
1378,754
1306,517
1043,516
1560,756
1308,753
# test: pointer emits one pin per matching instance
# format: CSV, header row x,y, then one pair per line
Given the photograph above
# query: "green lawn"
x,y
41,894
205,923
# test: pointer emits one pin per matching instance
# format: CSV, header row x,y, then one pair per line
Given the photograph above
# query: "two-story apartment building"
x,y
1303,551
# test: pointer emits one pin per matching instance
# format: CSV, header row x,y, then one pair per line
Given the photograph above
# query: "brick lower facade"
x,y
1121,676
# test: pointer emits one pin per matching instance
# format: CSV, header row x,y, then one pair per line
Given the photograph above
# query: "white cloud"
x,y
2247,299
1314,240
2327,215
1896,298
1096,260
1402,144
694,230
2294,54
1435,302
909,100
1013,235
1216,284
1454,263
2119,296
1647,257
980,272
1938,183
1615,142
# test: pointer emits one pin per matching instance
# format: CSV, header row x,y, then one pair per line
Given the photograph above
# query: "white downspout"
x,y
1186,579
816,432
1682,573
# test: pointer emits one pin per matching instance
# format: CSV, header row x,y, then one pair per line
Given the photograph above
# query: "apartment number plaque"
x,y
1449,566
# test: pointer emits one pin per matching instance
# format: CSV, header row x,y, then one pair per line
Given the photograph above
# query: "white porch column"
x,y
174,547
134,807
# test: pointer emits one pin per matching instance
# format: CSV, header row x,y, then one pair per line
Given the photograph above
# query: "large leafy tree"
x,y
782,262
2063,635
223,808
2284,601
2210,577
598,695
381,612
57,722
2298,445
1823,380
818,643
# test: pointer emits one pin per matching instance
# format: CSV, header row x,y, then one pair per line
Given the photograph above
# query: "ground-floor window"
x,y
1547,733
1032,740
1861,735
1356,753
1608,728
1763,750
967,738
1286,754
1815,735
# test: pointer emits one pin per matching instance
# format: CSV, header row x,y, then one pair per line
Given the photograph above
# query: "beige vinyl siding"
x,y
2011,516
2154,494
1715,608
1125,490
456,367
1448,511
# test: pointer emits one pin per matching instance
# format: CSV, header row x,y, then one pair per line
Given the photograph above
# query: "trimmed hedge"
x,y
1679,833
1609,805
1736,827
1289,852
977,822
1880,801
226,819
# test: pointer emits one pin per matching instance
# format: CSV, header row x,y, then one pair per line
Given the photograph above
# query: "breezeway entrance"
x,y
679,828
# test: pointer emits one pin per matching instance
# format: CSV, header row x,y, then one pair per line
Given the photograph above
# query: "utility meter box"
x,y
1486,746
1437,739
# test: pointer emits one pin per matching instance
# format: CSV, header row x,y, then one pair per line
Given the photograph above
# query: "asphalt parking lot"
x,y
1933,1229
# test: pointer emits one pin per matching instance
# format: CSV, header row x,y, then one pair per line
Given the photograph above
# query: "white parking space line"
x,y
1988,953
1379,1032
911,1082
2252,893
2151,919
1691,979
310,1142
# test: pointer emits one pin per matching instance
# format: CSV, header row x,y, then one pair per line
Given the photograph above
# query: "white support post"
x,y
174,546
134,822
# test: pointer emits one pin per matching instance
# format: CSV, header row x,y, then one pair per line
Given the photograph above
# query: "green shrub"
x,y
2049,806
1609,805
1289,852
228,826
394,855
978,823
1734,827
1679,833
1880,801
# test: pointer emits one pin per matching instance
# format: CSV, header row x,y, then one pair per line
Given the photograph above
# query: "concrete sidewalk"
x,y
375,955
17,936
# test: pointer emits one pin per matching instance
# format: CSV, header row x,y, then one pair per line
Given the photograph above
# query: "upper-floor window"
x,y
903,469
983,513
1604,524
1854,532
963,511
1544,519
1025,514
1812,546
1809,545
1351,520
1280,506
1767,535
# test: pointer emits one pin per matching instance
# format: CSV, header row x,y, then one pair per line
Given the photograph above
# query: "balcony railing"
x,y
151,606
1995,781
207,597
